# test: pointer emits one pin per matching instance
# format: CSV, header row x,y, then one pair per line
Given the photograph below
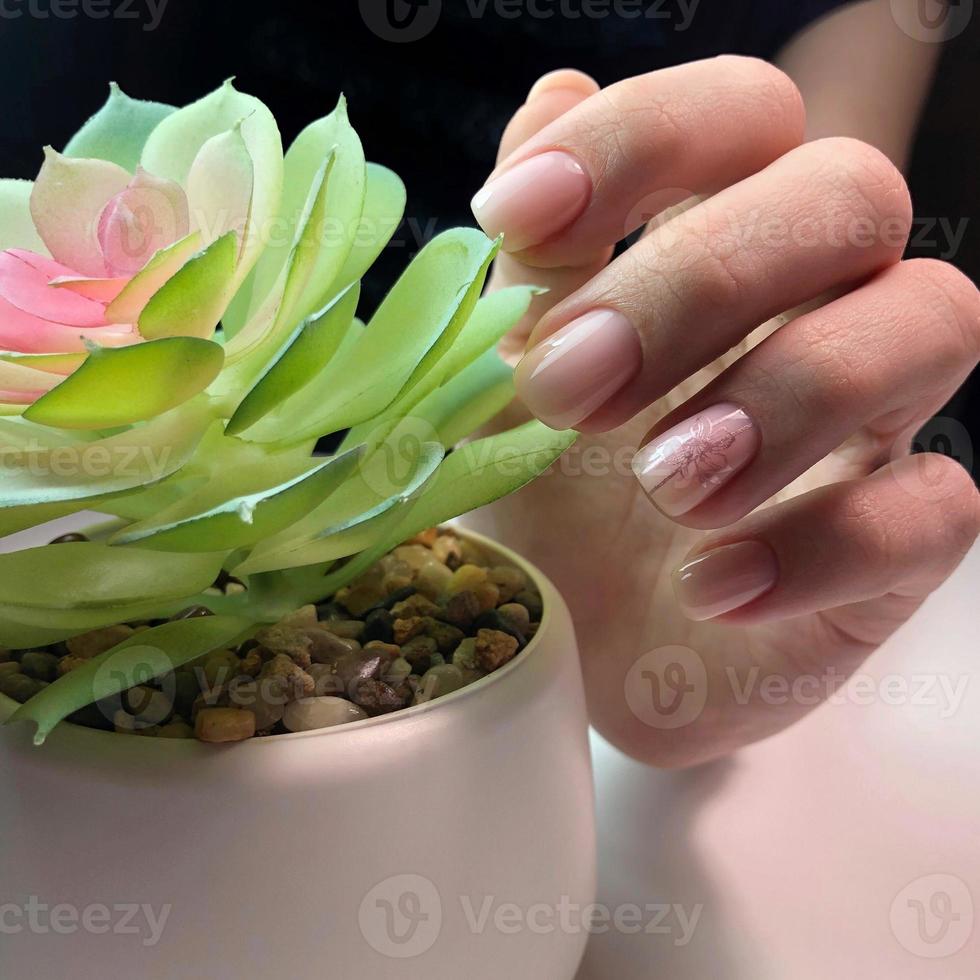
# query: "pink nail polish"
x,y
575,371
687,464
725,579
534,200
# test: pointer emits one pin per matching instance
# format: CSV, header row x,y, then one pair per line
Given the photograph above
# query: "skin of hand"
x,y
742,504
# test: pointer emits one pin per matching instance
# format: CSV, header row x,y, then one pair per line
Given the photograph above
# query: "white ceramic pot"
x,y
454,839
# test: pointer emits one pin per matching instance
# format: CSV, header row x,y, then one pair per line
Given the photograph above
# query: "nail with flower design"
x,y
684,466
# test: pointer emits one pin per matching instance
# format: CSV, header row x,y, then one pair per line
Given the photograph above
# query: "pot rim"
x,y
8,706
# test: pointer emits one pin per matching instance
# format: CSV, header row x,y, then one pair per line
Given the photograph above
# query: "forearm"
x,y
861,75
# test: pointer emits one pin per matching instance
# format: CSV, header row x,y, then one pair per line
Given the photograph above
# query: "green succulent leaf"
x,y
120,386
349,520
83,472
138,660
119,130
469,401
243,520
220,186
90,574
190,303
62,364
16,223
174,145
433,298
493,317
384,206
302,357
130,303
342,208
475,475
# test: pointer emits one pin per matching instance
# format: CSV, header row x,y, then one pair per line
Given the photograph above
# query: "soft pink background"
x,y
799,846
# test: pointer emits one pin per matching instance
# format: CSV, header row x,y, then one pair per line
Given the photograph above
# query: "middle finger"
x,y
826,215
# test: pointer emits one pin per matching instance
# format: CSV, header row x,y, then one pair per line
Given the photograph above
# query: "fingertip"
x,y
568,79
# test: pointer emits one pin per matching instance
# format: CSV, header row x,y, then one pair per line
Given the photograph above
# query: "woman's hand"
x,y
774,524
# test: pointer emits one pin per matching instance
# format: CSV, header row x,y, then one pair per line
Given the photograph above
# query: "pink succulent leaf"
x,y
23,385
150,214
25,283
132,299
102,290
68,198
29,334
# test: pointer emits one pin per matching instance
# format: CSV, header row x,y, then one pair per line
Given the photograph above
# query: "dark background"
x,y
433,108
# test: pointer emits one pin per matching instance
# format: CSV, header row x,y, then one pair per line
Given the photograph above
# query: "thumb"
x,y
550,98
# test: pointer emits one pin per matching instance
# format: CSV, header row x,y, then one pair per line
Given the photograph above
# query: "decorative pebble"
x,y
312,714
532,602
448,550
9,668
509,581
461,609
494,649
289,641
20,687
516,616
349,629
293,681
327,647
147,706
176,729
263,698
378,698
467,578
224,725
90,645
378,625
433,580
438,682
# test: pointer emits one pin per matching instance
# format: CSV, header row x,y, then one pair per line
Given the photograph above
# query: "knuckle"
x,y
862,172
957,503
953,300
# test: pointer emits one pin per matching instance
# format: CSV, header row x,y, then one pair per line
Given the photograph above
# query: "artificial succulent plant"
x,y
178,305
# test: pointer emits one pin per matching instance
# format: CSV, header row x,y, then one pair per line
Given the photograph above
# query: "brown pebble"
x,y
217,725
508,580
416,605
461,609
467,578
433,579
494,649
488,596
427,538
349,629
289,641
418,652
406,629
531,600
516,616
176,729
96,642
378,698
295,682
448,550
446,635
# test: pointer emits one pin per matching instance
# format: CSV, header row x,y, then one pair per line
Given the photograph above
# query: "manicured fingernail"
x,y
575,371
725,579
534,200
687,464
